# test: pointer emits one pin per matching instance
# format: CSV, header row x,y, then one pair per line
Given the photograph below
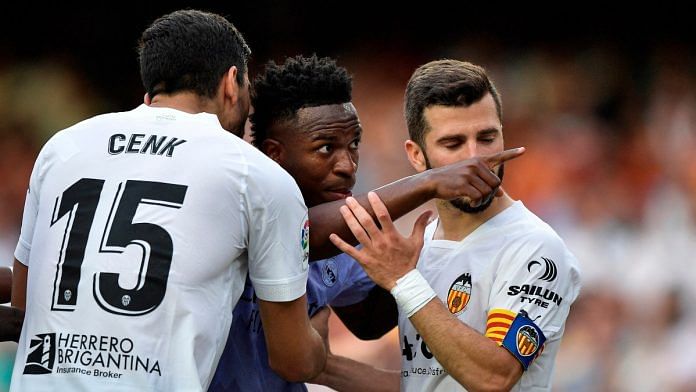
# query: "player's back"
x,y
138,251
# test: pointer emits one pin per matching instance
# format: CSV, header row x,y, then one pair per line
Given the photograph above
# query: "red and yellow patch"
x,y
498,324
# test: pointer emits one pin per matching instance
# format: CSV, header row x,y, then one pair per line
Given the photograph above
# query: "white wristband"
x,y
412,292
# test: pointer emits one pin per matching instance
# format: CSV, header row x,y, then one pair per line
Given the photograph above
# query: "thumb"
x,y
422,221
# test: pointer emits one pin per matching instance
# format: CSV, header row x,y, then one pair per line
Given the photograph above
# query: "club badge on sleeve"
x,y
517,333
524,339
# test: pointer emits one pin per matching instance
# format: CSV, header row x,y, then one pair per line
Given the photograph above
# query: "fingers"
x,y
496,159
344,246
355,227
484,184
420,225
363,217
380,211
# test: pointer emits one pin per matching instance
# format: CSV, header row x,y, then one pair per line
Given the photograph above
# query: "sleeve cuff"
x,y
22,252
280,290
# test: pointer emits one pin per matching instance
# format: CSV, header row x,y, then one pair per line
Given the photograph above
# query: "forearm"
x,y
475,361
11,320
296,351
372,317
346,375
400,197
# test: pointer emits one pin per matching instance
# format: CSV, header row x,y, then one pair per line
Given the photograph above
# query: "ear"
x,y
273,149
230,85
415,155
146,99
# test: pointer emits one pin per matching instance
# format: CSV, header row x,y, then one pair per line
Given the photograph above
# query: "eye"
x,y
487,140
354,144
325,149
453,144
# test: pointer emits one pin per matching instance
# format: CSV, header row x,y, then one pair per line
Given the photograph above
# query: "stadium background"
x,y
604,99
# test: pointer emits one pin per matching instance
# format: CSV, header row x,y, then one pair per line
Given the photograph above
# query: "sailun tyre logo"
x,y
42,354
550,270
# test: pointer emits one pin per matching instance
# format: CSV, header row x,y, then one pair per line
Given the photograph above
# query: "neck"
x,y
186,102
455,225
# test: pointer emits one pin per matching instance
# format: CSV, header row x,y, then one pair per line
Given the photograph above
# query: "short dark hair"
x,y
298,83
190,50
448,83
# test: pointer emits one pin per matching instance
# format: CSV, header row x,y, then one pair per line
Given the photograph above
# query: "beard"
x,y
464,205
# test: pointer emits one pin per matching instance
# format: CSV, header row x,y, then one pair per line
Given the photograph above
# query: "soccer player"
x,y
483,304
140,227
304,120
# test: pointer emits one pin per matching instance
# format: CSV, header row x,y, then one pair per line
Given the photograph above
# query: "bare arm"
x,y
470,178
12,317
470,358
347,375
5,284
295,350
372,317
19,285
11,320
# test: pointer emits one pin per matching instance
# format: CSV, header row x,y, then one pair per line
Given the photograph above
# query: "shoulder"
x,y
530,243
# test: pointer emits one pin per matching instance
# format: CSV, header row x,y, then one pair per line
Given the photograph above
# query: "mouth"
x,y
339,193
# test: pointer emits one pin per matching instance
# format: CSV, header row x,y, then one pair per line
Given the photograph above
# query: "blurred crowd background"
x,y
605,104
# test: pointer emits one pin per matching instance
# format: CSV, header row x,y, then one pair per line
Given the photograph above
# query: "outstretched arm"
x,y
348,375
372,317
470,178
473,360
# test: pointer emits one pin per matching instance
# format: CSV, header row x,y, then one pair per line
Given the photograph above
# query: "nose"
x,y
471,149
346,164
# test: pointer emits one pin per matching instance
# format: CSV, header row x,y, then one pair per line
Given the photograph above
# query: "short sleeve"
x,y
537,279
357,284
31,210
278,245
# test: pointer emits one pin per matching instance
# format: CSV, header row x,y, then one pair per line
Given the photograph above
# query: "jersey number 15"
x,y
80,202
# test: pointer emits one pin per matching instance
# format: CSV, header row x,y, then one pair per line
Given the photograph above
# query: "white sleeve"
x,y
31,210
278,233
539,275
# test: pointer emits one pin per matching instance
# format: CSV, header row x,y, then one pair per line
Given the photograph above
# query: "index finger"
x,y
496,159
381,212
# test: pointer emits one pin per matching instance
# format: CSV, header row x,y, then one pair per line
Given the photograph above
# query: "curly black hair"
x,y
298,83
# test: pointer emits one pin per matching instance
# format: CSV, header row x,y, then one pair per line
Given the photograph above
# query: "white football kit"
x,y
139,229
513,280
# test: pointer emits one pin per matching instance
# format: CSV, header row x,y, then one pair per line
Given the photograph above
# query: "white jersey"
x,y
514,262
139,229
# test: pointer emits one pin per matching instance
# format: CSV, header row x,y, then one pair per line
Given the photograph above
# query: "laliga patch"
x,y
459,294
304,243
524,339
